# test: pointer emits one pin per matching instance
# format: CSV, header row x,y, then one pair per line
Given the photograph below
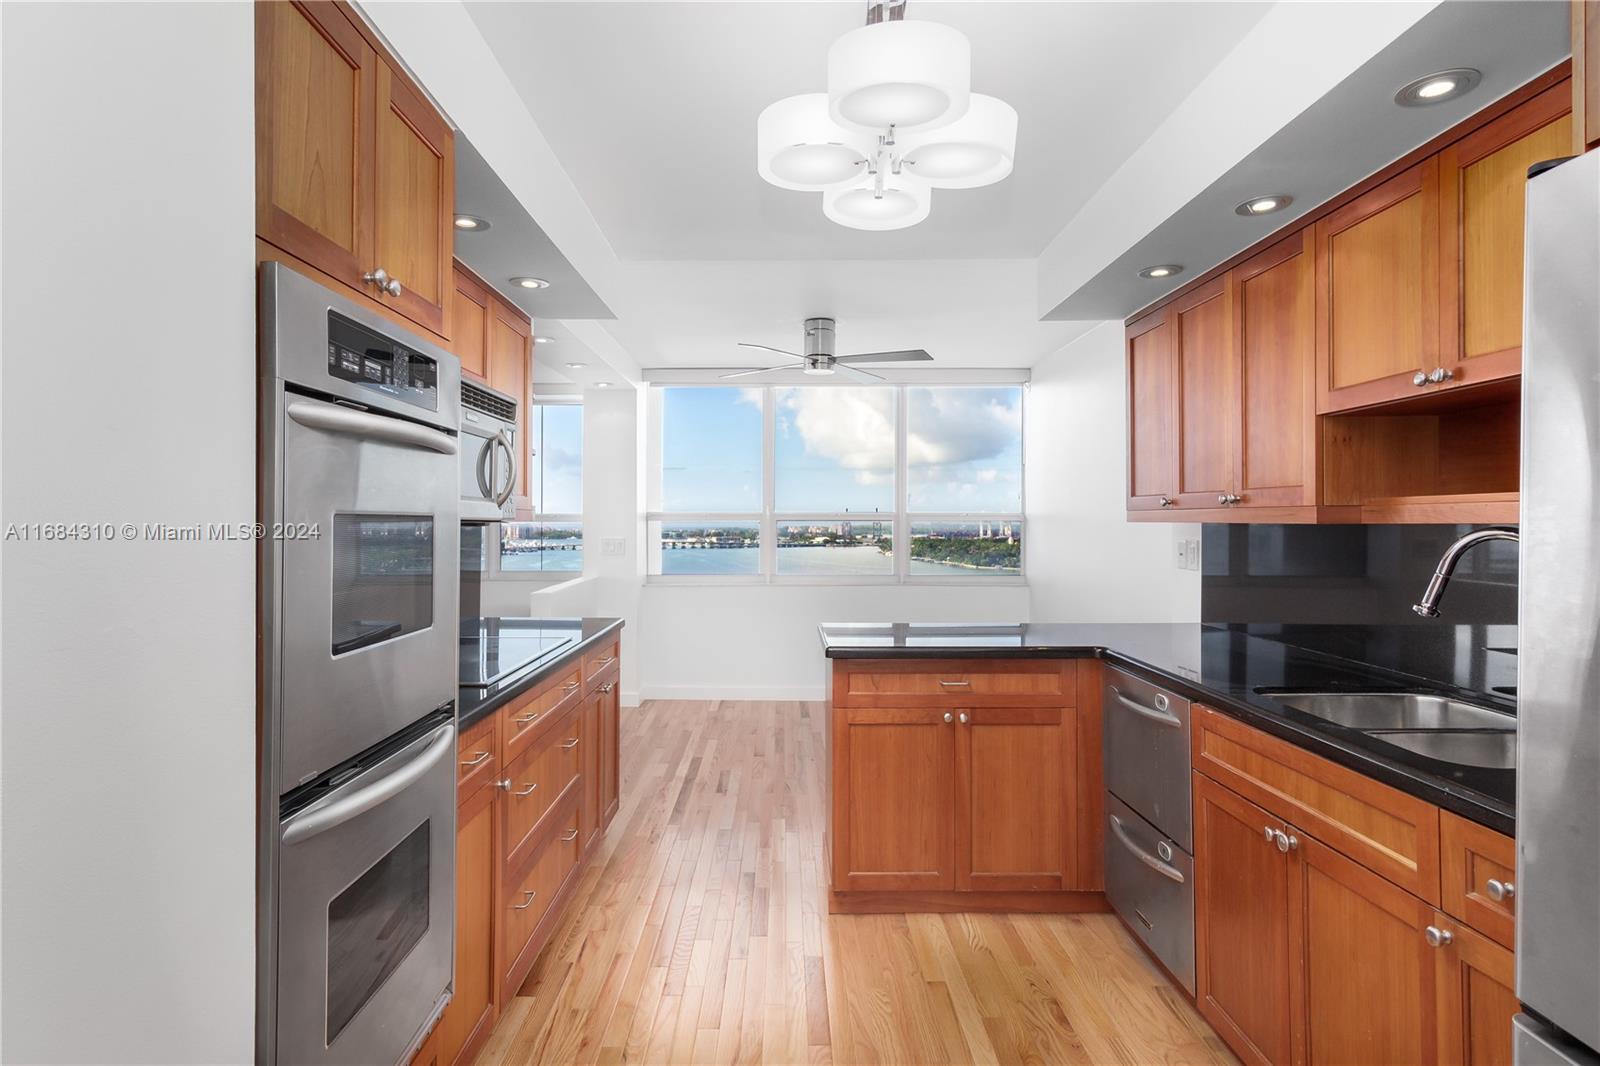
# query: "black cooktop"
x,y
493,648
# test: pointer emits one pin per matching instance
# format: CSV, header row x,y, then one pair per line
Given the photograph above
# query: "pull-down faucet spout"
x,y
1428,606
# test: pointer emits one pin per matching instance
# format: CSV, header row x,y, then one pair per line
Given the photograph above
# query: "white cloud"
x,y
950,426
852,427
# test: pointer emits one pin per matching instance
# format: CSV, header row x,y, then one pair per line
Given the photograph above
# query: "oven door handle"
x,y
511,468
1166,870
306,825
332,419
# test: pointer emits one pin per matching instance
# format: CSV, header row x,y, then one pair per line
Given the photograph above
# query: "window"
x,y
836,483
553,544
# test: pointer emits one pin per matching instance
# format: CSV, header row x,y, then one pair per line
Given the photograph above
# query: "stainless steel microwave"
x,y
489,454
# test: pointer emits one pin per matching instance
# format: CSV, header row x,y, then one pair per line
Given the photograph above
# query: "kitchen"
x,y
1029,653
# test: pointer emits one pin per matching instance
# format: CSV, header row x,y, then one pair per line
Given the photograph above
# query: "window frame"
x,y
769,519
494,571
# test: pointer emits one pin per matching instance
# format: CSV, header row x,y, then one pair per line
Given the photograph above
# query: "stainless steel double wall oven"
x,y
360,504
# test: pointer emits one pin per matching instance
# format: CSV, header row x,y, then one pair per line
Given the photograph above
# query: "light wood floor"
x,y
700,934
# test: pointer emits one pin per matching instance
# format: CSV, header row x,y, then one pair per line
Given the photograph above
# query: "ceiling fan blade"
x,y
775,351
909,355
762,370
857,372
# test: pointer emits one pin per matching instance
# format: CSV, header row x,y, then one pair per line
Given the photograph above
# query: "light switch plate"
x,y
1191,554
613,545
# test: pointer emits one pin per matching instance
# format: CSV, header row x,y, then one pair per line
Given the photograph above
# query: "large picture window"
x,y
553,544
869,484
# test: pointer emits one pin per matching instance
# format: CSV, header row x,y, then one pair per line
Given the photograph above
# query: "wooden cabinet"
x,y
610,752
469,322
471,1011
355,170
493,338
1152,414
954,784
1483,180
1208,386
1585,75
1378,292
1314,942
591,757
1242,924
1478,877
1276,454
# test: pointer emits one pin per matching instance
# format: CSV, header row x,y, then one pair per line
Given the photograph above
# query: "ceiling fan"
x,y
819,357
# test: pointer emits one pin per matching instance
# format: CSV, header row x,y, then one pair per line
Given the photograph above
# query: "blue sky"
x,y
835,449
556,476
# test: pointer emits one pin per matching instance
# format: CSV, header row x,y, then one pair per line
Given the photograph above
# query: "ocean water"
x,y
805,561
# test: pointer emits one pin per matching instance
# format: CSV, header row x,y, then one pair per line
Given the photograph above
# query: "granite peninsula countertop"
x,y
1234,668
585,633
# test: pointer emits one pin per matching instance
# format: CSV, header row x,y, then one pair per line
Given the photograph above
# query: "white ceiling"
x,y
651,108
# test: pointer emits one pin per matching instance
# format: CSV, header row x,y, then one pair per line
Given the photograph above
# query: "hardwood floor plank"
x,y
699,933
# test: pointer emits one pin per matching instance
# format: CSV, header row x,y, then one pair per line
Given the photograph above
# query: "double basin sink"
x,y
1437,727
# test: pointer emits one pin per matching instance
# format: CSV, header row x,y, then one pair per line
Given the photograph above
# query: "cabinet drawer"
x,y
1389,832
477,757
597,662
525,720
537,779
1478,864
529,898
955,682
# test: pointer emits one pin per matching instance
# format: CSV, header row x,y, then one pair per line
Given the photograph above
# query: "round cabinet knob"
x,y
948,717
964,718
380,277
504,784
1166,501
1222,499
1499,891
1419,379
1271,833
1440,374
1436,937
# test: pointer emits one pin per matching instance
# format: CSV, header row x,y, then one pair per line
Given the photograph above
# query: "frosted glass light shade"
x,y
799,146
904,203
976,149
909,75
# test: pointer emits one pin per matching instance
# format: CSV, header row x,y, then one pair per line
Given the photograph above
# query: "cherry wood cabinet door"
x,y
414,196
1242,924
470,1013
1208,388
1016,807
610,752
894,810
469,323
590,806
315,86
1365,981
510,356
1152,414
1585,75
1275,324
1477,998
1377,295
1483,180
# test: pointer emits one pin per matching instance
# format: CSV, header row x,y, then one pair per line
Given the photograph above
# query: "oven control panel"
x,y
363,357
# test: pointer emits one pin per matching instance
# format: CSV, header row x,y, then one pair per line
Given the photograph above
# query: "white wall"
x,y
128,871
1086,562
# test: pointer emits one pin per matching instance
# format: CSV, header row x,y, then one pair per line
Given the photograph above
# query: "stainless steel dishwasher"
x,y
1149,845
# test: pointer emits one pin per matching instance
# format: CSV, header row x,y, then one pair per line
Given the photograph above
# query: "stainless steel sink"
x,y
1394,710
1497,751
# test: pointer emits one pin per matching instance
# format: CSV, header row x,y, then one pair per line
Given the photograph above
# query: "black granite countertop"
x,y
1227,666
473,703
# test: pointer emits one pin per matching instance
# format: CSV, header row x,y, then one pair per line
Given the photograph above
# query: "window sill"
x,y
757,581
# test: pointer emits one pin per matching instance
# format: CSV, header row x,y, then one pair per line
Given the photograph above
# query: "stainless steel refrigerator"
x,y
1558,733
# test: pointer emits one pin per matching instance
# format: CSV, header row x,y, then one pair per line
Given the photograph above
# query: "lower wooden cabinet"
x,y
1476,978
1014,824
894,809
471,1011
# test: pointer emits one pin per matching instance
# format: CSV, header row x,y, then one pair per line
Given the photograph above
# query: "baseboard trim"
x,y
947,902
732,692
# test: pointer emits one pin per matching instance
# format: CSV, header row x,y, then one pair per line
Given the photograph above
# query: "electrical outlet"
x,y
1191,555
1180,552
613,545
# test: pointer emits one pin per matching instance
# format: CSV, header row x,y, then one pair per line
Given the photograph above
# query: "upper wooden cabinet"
x,y
1207,365
355,171
1152,414
469,323
1585,75
493,338
1482,188
1274,319
1378,292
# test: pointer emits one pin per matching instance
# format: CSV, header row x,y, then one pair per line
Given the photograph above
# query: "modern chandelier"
x,y
899,120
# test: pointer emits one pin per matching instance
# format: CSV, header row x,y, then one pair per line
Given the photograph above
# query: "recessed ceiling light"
x,y
1264,205
1163,270
602,384
1438,87
471,223
531,283
576,366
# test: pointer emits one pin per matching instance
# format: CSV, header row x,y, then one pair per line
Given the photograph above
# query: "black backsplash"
x,y
1350,575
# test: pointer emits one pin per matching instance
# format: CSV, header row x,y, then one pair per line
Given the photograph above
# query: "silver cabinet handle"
x,y
607,661
1436,937
383,281
1228,499
504,784
1272,834
956,684
1167,870
314,414
570,836
608,686
1499,891
569,745
1158,713
477,758
570,686
1167,501
1286,841
527,791
964,718
530,895
320,818
948,717
1440,374
531,716
1419,379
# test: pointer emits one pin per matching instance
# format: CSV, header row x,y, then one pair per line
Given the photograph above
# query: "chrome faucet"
x,y
1428,606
